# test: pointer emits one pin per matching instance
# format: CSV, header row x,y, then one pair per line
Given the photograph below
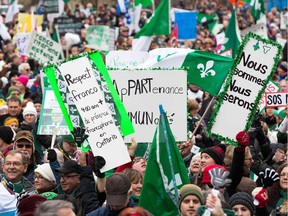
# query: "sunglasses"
x,y
21,145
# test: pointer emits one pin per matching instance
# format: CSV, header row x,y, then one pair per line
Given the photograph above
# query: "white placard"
x,y
259,29
271,87
42,49
22,42
104,137
125,59
255,65
142,91
276,99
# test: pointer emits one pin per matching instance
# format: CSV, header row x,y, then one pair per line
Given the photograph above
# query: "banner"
x,y
276,99
104,136
142,91
51,117
50,6
271,87
42,49
125,59
254,65
68,24
186,22
22,42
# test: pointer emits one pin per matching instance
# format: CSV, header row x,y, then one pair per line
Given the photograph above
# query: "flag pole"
x,y
202,117
169,154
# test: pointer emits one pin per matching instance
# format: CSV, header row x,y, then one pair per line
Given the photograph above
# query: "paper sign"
x,y
125,59
104,137
276,99
142,91
50,6
43,49
22,42
68,24
237,104
271,87
186,22
51,117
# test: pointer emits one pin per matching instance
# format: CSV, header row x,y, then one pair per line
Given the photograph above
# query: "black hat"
x,y
6,134
216,152
242,198
70,166
13,73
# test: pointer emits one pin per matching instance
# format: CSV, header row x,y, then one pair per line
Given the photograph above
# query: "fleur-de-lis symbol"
x,y
206,70
224,43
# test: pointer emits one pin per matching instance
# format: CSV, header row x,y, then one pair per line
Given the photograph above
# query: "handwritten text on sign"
x,y
256,63
22,42
104,137
276,99
142,91
43,49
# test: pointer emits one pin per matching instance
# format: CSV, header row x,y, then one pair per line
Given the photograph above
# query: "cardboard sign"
x,y
276,99
22,42
50,6
271,87
51,117
186,22
104,137
142,91
237,104
68,24
125,59
42,49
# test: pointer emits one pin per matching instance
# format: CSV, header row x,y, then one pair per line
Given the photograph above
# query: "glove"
x,y
52,155
260,197
219,177
243,139
97,163
79,135
268,177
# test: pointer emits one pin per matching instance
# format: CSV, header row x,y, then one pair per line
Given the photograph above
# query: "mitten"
x,y
79,135
97,163
52,155
243,139
268,177
260,197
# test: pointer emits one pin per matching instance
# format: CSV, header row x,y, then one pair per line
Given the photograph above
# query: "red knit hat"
x,y
23,79
206,178
216,152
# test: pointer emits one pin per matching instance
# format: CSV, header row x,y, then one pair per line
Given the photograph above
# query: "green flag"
x,y
145,3
159,24
165,173
258,9
211,20
232,36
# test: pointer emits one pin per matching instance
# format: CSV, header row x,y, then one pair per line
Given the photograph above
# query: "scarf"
x,y
284,196
15,187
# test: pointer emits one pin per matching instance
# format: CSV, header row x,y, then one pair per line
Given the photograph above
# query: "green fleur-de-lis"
x,y
256,46
206,70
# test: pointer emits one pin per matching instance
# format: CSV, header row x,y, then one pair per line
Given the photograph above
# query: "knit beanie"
x,y
6,134
206,178
23,79
3,105
12,89
190,189
30,109
46,171
10,120
13,73
216,152
242,198
27,205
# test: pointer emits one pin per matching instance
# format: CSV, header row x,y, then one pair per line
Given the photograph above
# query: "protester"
x,y
6,137
44,180
55,207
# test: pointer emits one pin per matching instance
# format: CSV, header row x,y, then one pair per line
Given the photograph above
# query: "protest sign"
x,y
276,99
259,29
22,42
51,117
42,49
271,87
50,6
125,59
104,136
255,63
142,91
186,22
68,24
25,23
101,37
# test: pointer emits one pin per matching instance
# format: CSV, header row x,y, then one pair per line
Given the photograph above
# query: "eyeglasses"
x,y
280,151
15,164
38,177
65,177
21,145
284,175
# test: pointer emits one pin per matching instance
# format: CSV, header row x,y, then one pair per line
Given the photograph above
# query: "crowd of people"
x,y
39,180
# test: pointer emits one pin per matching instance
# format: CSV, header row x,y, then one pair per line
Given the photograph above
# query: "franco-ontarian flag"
x,y
159,24
165,173
204,69
12,10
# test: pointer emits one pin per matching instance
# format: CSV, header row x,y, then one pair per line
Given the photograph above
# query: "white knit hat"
x,y
30,109
46,171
